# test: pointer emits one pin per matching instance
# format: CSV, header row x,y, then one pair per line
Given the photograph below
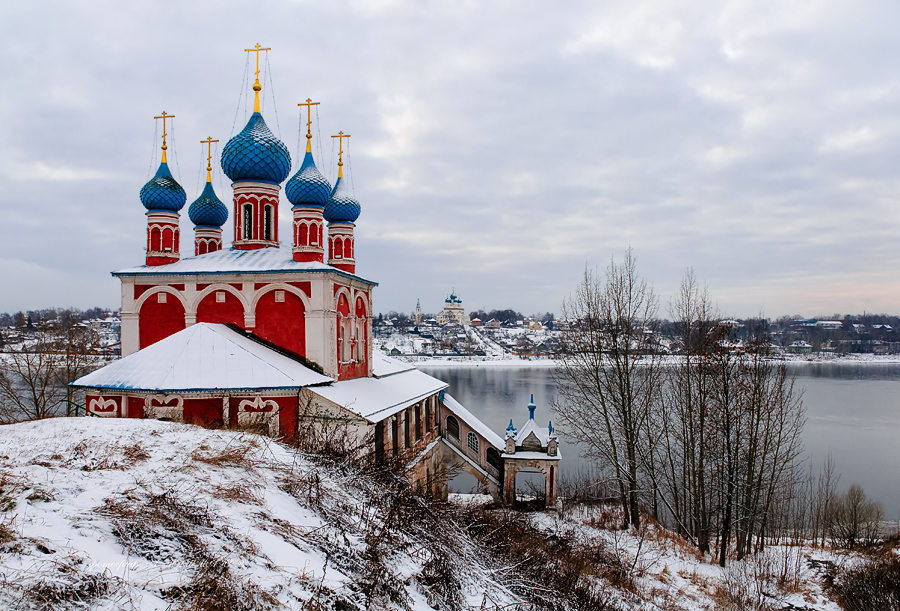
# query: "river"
x,y
852,410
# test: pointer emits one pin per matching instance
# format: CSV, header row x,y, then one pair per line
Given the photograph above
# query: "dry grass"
x,y
239,492
68,587
231,456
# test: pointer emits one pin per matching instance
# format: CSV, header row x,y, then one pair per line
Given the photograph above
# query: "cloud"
x,y
496,147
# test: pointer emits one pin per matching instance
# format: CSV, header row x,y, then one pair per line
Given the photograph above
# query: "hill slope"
x,y
141,514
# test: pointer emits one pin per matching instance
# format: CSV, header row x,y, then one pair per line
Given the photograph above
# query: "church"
x,y
273,334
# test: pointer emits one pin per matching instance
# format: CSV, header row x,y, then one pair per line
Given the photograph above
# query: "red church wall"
x,y
229,311
104,405
287,417
159,320
135,407
203,412
306,287
282,322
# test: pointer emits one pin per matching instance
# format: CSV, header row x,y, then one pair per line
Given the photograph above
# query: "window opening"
x,y
268,222
472,442
453,427
248,222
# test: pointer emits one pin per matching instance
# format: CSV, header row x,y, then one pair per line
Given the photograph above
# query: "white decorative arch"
x,y
357,294
281,286
344,291
220,287
161,289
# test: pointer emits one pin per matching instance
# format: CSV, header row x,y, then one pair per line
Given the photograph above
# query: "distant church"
x,y
453,311
260,333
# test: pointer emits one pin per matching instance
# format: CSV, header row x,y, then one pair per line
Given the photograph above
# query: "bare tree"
x,y
729,428
608,374
689,442
29,382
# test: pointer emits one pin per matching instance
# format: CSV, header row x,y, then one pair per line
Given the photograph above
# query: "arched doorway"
x,y
531,486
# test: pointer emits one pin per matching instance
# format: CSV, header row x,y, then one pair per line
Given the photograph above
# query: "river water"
x,y
852,410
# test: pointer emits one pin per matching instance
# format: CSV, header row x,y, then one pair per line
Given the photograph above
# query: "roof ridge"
x,y
294,356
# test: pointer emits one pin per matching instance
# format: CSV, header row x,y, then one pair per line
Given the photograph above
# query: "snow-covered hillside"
x,y
141,514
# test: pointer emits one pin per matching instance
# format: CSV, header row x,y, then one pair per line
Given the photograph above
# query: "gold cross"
x,y
309,104
341,136
208,142
256,86
164,116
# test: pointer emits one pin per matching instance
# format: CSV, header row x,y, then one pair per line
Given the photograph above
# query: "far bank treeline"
x,y
709,444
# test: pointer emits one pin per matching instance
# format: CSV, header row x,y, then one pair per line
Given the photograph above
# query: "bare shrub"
x,y
749,584
873,583
855,520
555,572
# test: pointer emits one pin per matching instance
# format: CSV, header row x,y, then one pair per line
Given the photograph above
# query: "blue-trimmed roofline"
x,y
157,272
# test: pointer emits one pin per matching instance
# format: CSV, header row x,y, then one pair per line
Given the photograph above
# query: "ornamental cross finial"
x,y
309,104
340,136
208,142
256,86
164,116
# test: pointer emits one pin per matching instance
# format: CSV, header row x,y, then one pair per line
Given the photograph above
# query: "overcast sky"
x,y
496,148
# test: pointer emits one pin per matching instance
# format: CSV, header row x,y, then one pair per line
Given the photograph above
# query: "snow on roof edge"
x,y
470,419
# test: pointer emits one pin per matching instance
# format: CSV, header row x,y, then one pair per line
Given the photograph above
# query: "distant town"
x,y
510,334
493,334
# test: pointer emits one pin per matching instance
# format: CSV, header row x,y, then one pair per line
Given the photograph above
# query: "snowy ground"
x,y
140,514
671,575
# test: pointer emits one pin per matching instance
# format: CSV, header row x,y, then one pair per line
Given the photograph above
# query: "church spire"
x,y
165,147
256,86
340,136
207,212
309,104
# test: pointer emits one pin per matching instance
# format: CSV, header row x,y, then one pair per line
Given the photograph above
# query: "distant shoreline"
x,y
793,360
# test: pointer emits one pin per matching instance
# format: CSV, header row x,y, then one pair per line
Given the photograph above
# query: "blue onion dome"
x,y
208,210
162,192
342,208
308,187
256,154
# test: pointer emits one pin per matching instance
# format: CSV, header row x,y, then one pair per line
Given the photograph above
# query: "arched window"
x,y
248,222
304,234
472,442
338,248
493,459
267,226
155,239
314,234
167,239
452,427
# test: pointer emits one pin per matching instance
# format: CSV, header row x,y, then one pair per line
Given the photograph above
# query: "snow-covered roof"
x,y
543,434
203,357
383,366
233,261
378,398
532,455
473,422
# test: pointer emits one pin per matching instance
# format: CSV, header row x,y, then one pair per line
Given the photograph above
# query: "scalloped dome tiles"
x,y
342,208
162,192
256,154
208,210
308,187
